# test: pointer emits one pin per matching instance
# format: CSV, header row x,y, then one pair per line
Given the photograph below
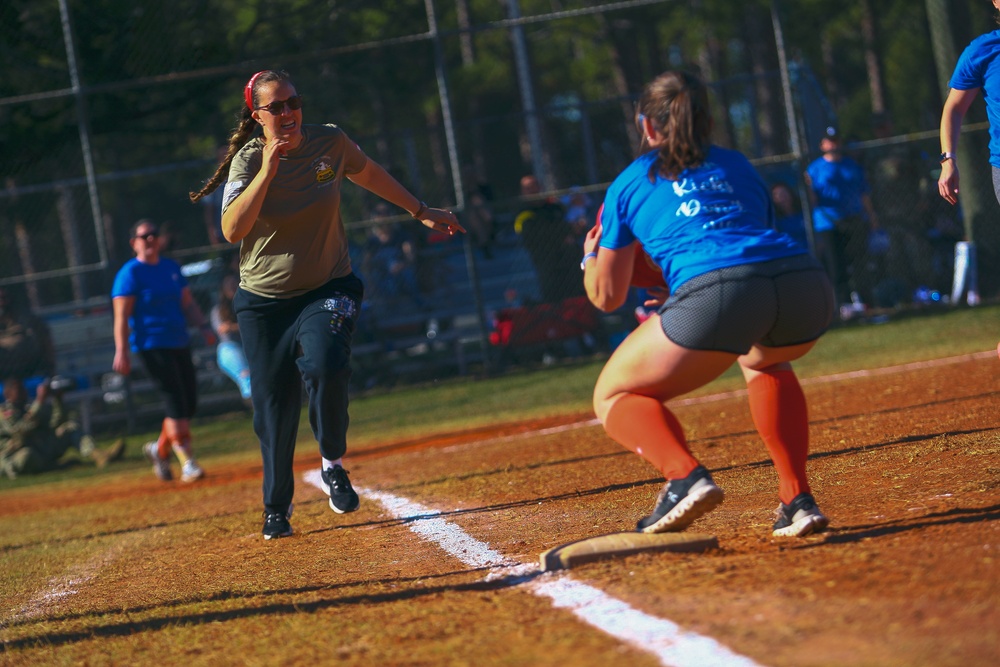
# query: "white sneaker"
x,y
191,471
161,467
800,518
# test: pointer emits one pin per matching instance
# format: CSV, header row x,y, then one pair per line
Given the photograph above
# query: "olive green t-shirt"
x,y
298,242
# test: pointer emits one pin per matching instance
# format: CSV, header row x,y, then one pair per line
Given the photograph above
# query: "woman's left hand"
x,y
657,296
441,220
592,239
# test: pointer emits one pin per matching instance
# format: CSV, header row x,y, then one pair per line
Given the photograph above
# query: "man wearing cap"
x,y
843,215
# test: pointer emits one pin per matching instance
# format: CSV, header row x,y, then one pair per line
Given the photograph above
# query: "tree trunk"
x,y
379,112
876,85
439,156
619,80
66,208
27,265
829,69
768,112
467,48
712,60
465,44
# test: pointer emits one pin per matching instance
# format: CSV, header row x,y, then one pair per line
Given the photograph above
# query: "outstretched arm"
x,y
377,180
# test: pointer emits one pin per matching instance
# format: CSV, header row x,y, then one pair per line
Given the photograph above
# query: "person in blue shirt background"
x,y
152,304
843,216
978,68
740,291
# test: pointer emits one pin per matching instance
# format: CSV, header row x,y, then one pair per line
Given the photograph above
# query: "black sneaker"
x,y
800,518
338,486
276,524
681,502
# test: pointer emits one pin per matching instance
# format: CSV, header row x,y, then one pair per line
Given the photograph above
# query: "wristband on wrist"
x,y
583,264
417,215
946,156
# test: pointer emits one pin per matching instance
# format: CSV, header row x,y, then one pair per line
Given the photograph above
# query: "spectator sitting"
x,y
787,214
229,352
33,437
390,265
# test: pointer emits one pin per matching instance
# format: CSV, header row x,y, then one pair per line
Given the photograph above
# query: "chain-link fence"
x,y
507,293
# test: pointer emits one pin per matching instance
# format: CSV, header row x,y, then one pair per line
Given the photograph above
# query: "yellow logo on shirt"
x,y
324,169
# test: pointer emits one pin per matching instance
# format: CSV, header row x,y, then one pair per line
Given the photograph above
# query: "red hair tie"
x,y
248,91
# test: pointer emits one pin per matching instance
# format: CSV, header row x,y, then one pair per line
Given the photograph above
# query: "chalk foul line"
x,y
67,585
663,638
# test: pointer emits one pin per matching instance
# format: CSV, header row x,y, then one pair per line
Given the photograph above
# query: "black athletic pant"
x,y
288,342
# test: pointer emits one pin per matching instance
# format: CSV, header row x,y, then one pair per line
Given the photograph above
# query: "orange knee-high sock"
x,y
645,426
779,412
163,443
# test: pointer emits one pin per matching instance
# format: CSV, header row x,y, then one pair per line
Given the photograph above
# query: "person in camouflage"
x,y
35,435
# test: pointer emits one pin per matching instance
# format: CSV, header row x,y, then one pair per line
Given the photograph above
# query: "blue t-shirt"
x,y
839,187
157,319
795,226
979,67
712,217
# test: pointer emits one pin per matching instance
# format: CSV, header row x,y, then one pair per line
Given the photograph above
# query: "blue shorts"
x,y
782,302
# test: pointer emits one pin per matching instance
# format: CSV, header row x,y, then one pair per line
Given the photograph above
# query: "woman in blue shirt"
x,y
740,291
152,303
978,68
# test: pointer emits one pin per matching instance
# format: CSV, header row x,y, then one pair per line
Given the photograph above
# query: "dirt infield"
x,y
905,463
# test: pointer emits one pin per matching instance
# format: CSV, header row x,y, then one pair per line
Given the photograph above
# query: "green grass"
x,y
463,403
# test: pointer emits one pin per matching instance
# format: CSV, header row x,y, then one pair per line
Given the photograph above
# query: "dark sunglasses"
x,y
276,107
148,236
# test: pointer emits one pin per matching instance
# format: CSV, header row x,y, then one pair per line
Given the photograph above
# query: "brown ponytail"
x,y
241,135
677,105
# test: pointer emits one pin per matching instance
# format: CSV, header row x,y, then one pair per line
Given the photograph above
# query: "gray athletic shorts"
x,y
783,302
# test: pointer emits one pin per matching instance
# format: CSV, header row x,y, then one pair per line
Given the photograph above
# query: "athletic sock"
x,y
645,426
87,446
183,451
779,412
329,465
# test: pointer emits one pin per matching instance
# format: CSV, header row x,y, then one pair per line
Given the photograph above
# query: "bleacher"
x,y
397,340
